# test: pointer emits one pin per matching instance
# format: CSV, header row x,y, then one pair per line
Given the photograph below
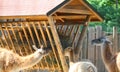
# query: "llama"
x,y
110,60
82,66
11,62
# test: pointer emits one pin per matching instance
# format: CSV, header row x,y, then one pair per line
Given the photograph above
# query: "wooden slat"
x,y
80,7
35,29
43,35
26,36
65,34
51,42
31,35
91,49
1,42
18,45
99,63
21,39
76,34
8,47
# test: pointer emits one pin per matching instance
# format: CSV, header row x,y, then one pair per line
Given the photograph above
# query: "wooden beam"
x,y
81,38
71,17
58,44
35,17
75,11
67,22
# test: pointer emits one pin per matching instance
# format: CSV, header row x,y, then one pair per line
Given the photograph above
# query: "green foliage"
x,y
109,9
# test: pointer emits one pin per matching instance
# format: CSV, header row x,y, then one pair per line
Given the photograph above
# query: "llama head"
x,y
100,41
42,51
67,51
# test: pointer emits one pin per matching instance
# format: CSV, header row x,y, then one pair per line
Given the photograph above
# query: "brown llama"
x,y
110,60
81,66
11,62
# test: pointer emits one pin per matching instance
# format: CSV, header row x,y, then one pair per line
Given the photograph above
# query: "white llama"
x,y
111,61
11,62
81,66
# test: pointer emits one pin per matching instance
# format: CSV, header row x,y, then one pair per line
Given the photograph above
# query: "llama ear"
x,y
34,47
110,42
69,48
41,46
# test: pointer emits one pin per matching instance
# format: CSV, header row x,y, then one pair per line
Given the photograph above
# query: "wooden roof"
x,y
75,10
27,7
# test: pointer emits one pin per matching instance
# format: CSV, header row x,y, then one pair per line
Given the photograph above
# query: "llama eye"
x,y
99,39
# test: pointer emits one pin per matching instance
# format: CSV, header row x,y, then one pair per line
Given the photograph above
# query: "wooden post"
x,y
58,44
115,40
81,38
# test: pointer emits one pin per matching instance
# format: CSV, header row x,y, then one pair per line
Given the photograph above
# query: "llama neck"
x,y
71,59
30,60
71,62
106,53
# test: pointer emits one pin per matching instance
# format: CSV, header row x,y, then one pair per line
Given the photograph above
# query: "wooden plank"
x,y
84,52
75,11
31,17
91,48
58,44
99,64
81,7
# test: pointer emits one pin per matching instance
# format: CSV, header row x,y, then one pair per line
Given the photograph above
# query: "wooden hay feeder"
x,y
55,24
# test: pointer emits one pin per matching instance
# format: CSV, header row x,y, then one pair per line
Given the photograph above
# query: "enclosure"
x,y
54,24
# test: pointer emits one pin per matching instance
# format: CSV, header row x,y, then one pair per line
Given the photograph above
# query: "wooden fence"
x,y
93,53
